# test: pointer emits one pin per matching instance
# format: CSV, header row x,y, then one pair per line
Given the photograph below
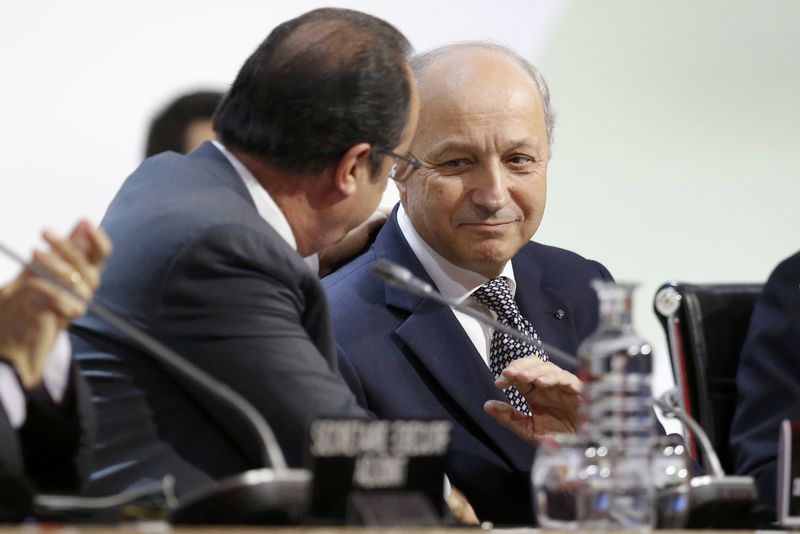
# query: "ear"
x,y
353,166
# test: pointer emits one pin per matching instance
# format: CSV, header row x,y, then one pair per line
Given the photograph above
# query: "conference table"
x,y
162,528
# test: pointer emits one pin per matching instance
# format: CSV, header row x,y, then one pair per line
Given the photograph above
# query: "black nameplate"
x,y
360,461
789,474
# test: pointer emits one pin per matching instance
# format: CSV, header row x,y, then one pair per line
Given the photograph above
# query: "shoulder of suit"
x,y
558,261
539,250
165,160
784,282
355,273
790,264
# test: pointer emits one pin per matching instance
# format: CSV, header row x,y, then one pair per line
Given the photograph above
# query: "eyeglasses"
x,y
403,166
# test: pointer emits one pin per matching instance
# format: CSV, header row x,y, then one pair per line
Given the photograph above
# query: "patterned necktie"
x,y
496,295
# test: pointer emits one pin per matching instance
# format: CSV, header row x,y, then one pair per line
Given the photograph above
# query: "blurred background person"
x,y
184,124
768,378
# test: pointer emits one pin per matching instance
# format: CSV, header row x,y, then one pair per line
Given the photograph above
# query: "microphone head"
x,y
391,273
400,277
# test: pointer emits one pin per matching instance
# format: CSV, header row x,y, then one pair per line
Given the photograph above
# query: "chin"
x,y
487,259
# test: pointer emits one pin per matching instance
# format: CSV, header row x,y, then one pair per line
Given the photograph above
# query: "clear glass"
x,y
555,481
671,478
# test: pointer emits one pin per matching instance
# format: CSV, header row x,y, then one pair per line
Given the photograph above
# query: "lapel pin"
x,y
560,314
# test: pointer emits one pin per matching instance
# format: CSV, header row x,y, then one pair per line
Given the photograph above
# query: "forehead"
x,y
475,89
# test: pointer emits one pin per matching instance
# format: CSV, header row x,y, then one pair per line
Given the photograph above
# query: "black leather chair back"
x,y
706,325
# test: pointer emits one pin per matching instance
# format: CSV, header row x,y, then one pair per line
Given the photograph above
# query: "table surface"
x,y
160,528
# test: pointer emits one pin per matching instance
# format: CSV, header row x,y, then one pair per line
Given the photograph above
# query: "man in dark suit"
x,y
467,214
768,379
211,246
46,421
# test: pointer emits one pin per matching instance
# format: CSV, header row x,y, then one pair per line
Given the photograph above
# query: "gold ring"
x,y
76,278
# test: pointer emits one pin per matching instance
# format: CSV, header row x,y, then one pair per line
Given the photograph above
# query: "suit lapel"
x,y
439,343
540,304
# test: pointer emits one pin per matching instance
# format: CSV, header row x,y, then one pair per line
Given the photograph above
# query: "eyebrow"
x,y
439,149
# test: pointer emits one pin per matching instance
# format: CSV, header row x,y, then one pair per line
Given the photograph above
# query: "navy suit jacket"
x,y
768,379
197,266
407,357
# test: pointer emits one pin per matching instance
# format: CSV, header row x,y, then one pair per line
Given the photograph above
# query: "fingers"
x,y
373,223
69,253
531,372
60,272
502,411
82,254
43,297
92,241
506,415
352,244
75,263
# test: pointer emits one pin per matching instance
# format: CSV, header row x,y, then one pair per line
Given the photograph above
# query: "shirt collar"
x,y
265,205
454,282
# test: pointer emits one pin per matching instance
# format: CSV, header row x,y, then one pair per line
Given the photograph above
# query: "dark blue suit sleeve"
x,y
768,378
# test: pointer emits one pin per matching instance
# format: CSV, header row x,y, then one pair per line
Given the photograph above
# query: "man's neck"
x,y
292,198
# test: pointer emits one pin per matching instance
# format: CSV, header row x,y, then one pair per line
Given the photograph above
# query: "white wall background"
x,y
676,147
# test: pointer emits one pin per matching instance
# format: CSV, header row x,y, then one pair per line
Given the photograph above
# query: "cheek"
x,y
532,204
434,199
448,193
531,199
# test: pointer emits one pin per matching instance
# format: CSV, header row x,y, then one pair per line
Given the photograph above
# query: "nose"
x,y
490,188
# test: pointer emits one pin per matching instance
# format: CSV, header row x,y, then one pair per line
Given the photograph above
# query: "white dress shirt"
x,y
55,379
456,283
265,205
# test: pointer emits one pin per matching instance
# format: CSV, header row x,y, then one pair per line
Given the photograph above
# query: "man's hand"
x,y
552,393
33,310
353,243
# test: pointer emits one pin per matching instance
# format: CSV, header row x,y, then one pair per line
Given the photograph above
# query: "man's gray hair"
x,y
421,62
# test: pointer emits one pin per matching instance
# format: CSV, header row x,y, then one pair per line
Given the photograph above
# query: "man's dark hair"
x,y
168,129
316,86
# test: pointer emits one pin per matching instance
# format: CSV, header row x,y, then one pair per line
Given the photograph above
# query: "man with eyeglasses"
x,y
211,246
472,194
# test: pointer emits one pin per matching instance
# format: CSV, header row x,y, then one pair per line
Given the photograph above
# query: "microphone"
x,y
400,277
717,499
266,495
667,403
